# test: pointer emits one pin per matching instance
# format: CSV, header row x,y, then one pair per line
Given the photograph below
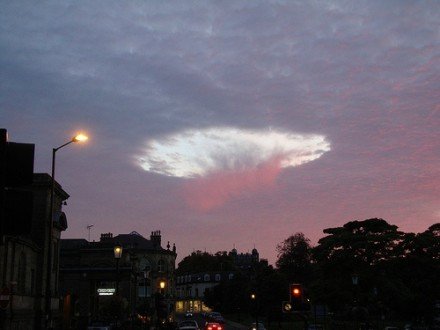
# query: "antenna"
x,y
88,228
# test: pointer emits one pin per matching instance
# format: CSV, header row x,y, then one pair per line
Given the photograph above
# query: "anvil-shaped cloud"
x,y
199,153
223,163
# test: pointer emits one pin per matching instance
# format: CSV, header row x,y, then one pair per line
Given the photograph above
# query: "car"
x,y
215,317
218,319
260,326
98,325
189,314
213,326
315,327
188,325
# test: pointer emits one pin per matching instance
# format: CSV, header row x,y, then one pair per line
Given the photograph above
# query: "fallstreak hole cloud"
x,y
198,153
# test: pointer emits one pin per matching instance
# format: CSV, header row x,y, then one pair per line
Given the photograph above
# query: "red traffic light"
x,y
296,292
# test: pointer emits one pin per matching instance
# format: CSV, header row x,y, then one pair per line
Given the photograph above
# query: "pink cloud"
x,y
214,190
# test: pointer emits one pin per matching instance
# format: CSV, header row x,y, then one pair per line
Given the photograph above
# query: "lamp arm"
x,y
65,144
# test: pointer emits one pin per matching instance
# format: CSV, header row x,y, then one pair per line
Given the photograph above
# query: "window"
x,y
217,277
145,266
206,277
161,266
231,276
144,289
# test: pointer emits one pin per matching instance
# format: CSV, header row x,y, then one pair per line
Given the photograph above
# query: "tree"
x,y
416,268
203,261
294,258
397,271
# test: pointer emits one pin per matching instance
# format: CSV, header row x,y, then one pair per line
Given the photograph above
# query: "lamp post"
x,y
355,282
254,299
117,250
161,305
48,295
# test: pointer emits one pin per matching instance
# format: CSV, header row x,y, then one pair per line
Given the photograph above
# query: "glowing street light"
x,y
48,297
117,250
254,299
80,138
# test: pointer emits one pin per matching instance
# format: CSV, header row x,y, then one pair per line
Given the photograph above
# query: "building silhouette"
x,y
191,286
24,233
92,280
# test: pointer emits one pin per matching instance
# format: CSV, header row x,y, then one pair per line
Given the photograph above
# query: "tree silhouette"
x,y
294,258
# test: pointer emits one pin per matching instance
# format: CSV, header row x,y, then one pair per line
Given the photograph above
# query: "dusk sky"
x,y
229,123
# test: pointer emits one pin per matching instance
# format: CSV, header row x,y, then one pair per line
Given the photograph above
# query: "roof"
x,y
135,240
132,240
73,243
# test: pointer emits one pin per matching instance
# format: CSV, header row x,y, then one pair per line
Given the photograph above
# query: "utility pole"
x,y
88,228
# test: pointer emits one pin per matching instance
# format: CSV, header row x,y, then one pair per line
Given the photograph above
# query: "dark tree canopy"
x,y
397,271
203,261
359,243
294,258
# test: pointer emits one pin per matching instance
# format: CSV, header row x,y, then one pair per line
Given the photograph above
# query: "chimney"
x,y
155,238
106,237
3,135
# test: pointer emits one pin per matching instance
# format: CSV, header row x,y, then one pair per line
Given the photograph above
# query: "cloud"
x,y
225,162
363,74
214,190
198,153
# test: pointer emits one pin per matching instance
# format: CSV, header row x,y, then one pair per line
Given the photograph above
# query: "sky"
x,y
229,123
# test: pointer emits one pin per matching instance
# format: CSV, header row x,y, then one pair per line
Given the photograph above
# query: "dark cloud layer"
x,y
365,74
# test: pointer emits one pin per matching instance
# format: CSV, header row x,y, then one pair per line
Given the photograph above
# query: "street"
x,y
200,319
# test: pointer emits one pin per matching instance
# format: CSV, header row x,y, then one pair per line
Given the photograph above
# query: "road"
x,y
229,325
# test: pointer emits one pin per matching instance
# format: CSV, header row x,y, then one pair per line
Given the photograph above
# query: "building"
x,y
192,286
140,282
24,231
191,289
245,260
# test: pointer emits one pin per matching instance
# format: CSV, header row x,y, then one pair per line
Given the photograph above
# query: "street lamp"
x,y
162,285
48,305
117,250
254,299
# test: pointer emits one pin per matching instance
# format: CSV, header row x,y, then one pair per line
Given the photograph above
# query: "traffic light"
x,y
296,296
298,301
